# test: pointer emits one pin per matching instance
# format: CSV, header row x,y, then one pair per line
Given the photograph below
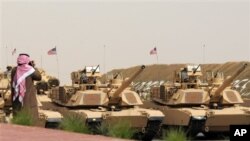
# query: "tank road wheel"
x,y
152,129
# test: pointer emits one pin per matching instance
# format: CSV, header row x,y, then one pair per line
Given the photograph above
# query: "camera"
x,y
32,63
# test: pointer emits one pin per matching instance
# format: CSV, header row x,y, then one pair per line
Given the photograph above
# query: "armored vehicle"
x,y
225,104
2,97
201,109
5,93
47,117
183,100
99,107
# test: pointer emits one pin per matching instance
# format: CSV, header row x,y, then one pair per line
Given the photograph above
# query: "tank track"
x,y
195,126
152,129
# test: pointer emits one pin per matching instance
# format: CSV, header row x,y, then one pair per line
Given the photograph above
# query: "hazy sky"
x,y
128,28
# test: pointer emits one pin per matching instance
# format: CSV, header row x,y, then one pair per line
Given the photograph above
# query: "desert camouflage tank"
x,y
2,113
5,92
199,108
2,97
183,99
225,104
47,118
46,83
116,104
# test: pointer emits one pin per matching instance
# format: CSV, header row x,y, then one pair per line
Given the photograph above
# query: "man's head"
x,y
23,58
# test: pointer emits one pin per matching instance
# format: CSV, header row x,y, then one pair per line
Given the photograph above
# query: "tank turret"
x,y
185,90
115,99
221,94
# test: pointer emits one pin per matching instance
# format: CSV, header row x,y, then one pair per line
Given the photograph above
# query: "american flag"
x,y
52,51
14,51
153,51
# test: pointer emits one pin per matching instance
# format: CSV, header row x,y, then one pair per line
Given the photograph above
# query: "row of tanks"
x,y
209,108
187,102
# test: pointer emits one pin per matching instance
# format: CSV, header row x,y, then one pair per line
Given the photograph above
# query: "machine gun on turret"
x,y
195,69
94,71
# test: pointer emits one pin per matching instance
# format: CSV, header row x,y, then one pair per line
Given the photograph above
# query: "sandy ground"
x,y
9,132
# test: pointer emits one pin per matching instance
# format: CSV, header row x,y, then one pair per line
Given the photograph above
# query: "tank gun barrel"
x,y
229,80
127,82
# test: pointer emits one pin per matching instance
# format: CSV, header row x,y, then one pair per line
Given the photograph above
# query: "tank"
x,y
46,83
110,106
196,107
2,102
225,103
48,118
5,93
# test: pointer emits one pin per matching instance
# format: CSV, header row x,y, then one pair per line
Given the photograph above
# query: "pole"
x,y
104,62
57,63
204,61
157,59
204,53
7,55
41,61
12,56
157,64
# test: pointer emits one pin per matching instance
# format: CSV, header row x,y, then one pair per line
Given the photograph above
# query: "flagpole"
x,y
12,56
157,59
157,63
57,63
204,53
104,62
7,55
41,61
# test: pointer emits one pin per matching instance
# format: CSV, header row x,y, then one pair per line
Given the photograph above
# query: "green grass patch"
x,y
175,134
23,117
120,129
74,123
